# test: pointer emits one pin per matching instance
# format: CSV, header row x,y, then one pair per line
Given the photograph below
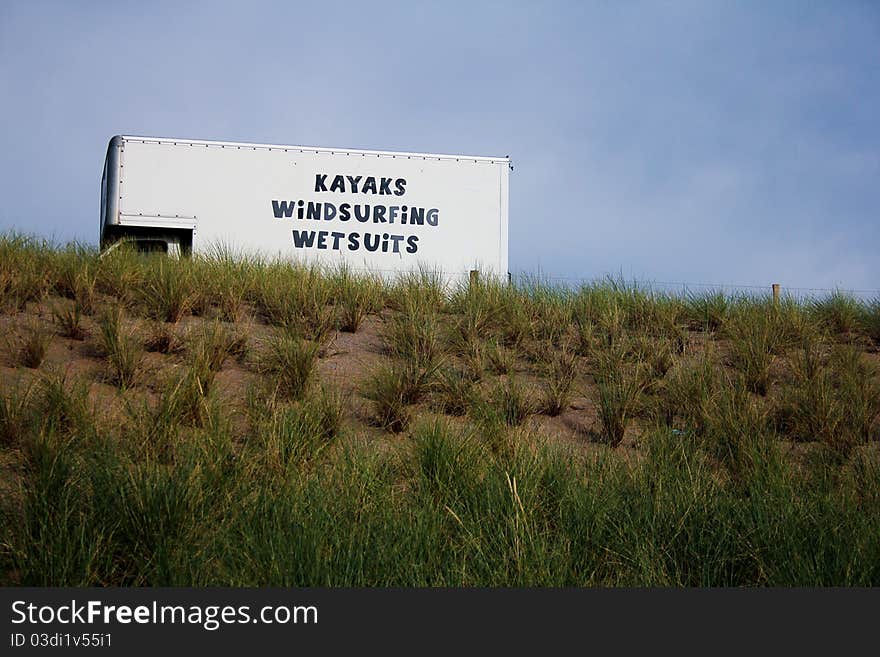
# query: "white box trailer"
x,y
378,211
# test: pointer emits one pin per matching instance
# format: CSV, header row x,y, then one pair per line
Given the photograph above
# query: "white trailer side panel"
x,y
232,194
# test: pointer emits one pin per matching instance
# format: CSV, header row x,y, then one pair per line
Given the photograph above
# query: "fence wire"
x,y
689,287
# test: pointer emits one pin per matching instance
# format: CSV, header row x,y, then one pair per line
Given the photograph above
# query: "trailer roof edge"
x,y
316,149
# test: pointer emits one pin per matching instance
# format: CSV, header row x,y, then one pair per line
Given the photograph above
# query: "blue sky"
x,y
700,142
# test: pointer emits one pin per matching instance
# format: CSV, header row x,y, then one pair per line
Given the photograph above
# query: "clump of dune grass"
x,y
795,322
686,393
499,419
589,302
556,393
707,311
68,319
222,280
511,402
24,274
514,320
413,334
811,409
290,360
76,276
755,338
7,291
422,289
642,310
16,410
412,337
863,406
29,347
185,399
61,404
182,400
599,310
474,310
163,338
201,366
291,436
660,360
737,431
295,298
85,292
121,346
833,399
389,390
551,309
21,287
473,356
585,336
168,293
469,328
155,508
355,298
327,408
871,320
68,264
499,359
667,321
231,291
121,274
203,296
213,342
454,392
655,353
445,461
838,312
617,397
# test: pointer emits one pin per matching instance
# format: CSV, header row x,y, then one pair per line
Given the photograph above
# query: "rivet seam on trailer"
x,y
378,154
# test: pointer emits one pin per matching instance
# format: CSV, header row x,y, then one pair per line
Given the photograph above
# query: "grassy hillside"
x,y
212,421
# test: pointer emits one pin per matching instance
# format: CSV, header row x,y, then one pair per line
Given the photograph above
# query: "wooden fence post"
x,y
475,275
776,293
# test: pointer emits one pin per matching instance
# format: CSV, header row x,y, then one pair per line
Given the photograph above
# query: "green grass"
x,y
871,320
121,347
443,510
210,345
686,393
511,402
162,338
295,298
557,390
839,312
756,336
76,274
455,392
68,317
355,297
29,347
833,399
708,311
24,274
753,461
499,359
15,413
617,397
169,292
389,390
289,362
